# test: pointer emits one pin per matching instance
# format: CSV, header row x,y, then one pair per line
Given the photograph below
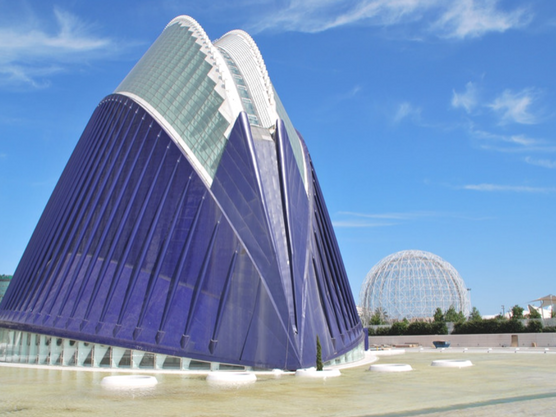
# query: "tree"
x,y
438,315
534,313
517,312
379,316
319,355
475,315
451,315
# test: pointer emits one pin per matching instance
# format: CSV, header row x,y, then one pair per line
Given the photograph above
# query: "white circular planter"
x,y
129,381
231,378
313,373
391,367
452,363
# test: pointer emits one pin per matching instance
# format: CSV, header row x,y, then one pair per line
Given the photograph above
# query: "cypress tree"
x,y
319,355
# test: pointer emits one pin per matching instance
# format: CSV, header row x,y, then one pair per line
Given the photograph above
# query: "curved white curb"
x,y
231,378
129,381
452,363
391,367
313,373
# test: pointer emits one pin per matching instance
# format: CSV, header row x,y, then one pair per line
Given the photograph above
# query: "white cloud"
x,y
407,110
444,18
508,188
511,143
474,18
399,217
29,54
391,216
468,100
545,163
515,107
521,140
355,224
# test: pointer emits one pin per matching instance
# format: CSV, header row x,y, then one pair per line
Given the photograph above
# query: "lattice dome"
x,y
412,284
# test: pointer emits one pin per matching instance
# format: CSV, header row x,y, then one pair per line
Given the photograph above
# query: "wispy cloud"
x,y
508,188
545,163
359,225
391,216
353,92
515,107
490,129
474,18
407,110
29,54
356,219
511,143
523,142
467,100
447,19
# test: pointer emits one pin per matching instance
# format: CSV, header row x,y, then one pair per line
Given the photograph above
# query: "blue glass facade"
x,y
136,250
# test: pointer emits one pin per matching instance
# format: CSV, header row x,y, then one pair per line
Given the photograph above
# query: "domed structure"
x,y
413,284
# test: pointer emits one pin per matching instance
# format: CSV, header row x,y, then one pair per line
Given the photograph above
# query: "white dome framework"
x,y
412,284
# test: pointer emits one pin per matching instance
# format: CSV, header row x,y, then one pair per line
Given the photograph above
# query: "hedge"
x,y
401,328
469,327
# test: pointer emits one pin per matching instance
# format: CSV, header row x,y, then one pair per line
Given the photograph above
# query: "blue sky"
x,y
431,123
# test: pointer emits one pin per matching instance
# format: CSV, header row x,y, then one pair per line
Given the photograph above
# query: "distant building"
x,y
4,282
412,284
188,229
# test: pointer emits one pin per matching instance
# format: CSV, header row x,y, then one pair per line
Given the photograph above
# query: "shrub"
x,y
488,326
379,331
439,328
423,328
513,326
534,326
398,328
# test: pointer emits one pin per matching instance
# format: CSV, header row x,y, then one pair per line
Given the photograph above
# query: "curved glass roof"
x,y
196,90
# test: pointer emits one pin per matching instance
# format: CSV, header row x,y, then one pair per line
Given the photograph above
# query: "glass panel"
x,y
137,356
85,354
171,362
185,71
69,352
147,361
199,366
225,367
56,348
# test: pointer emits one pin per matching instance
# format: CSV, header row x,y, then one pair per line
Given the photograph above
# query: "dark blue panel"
x,y
295,208
237,188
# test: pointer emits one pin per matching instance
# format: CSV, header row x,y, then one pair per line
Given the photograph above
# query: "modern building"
x,y
188,229
412,284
